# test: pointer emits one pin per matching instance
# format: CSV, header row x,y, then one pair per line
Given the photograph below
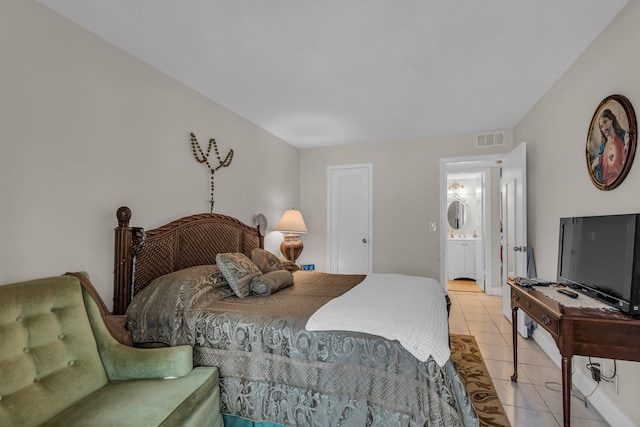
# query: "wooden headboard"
x,y
141,256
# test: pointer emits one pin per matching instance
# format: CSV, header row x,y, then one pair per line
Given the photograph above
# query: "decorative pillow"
x,y
265,260
289,265
239,271
271,282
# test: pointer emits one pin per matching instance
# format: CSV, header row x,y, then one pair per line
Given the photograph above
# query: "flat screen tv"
x,y
600,256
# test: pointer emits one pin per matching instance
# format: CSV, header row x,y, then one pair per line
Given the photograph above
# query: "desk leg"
x,y
514,332
566,390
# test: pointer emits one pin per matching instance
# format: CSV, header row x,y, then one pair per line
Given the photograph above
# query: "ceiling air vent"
x,y
493,139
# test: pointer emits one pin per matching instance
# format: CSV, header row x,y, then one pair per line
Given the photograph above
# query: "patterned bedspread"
x,y
272,369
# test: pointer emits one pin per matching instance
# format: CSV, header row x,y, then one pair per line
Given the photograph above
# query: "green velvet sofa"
x,y
59,366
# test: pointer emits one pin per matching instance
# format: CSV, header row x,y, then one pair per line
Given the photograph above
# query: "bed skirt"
x,y
442,401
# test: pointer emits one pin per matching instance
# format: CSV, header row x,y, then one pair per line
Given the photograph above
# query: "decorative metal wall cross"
x,y
201,157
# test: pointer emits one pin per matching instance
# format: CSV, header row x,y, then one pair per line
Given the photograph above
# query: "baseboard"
x,y
599,400
495,291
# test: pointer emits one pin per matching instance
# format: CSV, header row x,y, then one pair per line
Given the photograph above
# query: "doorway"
x,y
489,268
465,229
486,203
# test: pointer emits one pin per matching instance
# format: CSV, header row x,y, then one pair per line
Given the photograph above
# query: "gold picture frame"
x,y
611,143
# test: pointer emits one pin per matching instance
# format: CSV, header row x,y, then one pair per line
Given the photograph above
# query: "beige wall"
x,y
406,198
558,179
86,128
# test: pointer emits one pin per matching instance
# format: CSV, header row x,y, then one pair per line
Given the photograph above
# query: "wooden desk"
x,y
584,332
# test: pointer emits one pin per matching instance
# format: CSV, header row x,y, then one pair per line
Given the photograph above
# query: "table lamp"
x,y
291,223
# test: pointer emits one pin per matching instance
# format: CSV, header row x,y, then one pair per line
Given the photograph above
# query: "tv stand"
x,y
583,332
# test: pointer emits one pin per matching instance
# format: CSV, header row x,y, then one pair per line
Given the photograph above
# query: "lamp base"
x,y
291,247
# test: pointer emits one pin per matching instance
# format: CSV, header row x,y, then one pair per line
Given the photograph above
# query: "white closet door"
x,y
349,226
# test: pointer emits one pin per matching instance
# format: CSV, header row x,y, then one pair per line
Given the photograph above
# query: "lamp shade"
x,y
292,222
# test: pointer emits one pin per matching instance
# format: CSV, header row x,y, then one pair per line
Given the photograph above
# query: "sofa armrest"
x,y
125,363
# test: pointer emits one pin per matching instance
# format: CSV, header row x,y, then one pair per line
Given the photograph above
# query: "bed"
x,y
273,369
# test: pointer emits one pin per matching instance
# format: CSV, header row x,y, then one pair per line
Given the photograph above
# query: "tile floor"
x,y
529,402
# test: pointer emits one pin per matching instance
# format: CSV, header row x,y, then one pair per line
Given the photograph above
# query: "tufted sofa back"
x,y
47,351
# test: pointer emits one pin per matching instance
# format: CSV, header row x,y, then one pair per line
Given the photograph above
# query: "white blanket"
x,y
409,309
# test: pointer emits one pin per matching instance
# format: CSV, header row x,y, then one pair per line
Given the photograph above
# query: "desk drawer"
x,y
538,313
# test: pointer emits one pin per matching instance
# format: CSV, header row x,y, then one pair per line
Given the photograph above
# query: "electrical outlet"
x,y
433,226
596,373
603,367
596,369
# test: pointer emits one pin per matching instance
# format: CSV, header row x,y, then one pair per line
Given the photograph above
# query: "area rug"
x,y
465,354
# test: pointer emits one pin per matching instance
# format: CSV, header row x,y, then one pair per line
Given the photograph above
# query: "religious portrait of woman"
x,y
611,143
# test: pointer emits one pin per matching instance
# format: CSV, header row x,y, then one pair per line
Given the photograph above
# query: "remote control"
x,y
568,293
539,282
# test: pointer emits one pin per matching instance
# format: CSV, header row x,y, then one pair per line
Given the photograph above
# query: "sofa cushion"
x,y
48,352
158,402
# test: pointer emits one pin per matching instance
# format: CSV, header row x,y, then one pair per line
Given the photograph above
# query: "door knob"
x,y
364,240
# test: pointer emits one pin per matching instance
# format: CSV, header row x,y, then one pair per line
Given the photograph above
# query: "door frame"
x,y
482,210
483,164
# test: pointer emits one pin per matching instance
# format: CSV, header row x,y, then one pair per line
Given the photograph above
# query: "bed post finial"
x,y
123,215
122,261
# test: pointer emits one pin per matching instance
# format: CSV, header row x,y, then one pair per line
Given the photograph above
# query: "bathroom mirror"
x,y
457,214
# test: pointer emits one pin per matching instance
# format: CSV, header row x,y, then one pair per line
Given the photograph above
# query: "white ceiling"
x,y
329,72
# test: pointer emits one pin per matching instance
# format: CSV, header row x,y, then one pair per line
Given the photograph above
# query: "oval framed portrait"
x,y
611,144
